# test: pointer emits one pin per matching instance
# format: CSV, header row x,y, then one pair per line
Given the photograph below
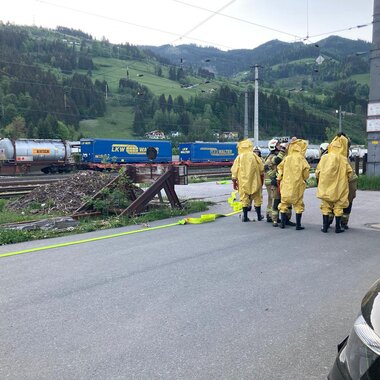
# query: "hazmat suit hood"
x,y
245,146
297,146
339,145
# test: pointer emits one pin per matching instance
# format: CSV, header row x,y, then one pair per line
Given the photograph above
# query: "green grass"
x,y
361,78
112,70
7,216
117,123
369,182
8,236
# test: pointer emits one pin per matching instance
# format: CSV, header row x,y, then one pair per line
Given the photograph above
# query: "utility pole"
x,y
246,115
373,113
340,118
256,115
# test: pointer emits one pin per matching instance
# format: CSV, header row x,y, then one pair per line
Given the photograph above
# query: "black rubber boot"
x,y
258,212
338,227
269,219
326,223
288,222
298,222
275,219
283,220
245,215
346,216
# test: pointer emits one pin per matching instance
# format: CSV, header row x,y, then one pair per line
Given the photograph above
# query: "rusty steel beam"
x,y
161,177
166,182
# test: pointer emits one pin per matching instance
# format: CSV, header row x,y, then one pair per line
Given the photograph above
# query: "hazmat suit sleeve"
x,y
280,170
306,171
235,168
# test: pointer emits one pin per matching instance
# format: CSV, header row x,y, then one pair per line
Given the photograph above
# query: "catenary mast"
x,y
373,114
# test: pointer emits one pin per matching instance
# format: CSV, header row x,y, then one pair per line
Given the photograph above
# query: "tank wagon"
x,y
108,151
207,152
23,156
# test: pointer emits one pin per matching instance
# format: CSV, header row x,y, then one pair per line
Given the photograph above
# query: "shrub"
x,y
369,182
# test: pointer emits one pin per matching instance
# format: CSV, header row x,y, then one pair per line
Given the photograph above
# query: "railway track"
x,y
12,187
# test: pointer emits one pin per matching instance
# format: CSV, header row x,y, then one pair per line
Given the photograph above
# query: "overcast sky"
x,y
225,24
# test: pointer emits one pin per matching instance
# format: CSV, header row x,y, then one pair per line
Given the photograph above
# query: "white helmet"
x,y
272,144
323,148
256,148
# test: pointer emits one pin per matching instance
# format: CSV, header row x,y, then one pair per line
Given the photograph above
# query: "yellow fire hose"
x,y
236,206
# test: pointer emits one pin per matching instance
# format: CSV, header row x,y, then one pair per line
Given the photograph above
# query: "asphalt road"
x,y
222,300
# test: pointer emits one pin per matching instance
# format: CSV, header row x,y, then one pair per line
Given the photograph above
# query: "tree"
x,y
179,104
169,104
16,129
138,123
184,122
162,103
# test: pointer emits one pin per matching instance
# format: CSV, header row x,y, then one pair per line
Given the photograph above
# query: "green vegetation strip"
x,y
202,219
369,182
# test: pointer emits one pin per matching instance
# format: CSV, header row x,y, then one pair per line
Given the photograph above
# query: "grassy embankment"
x,y
9,236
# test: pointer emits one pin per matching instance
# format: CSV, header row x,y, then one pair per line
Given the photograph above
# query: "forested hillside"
x,y
64,84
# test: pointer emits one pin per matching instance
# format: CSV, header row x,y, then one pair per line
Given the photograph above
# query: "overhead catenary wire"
x,y
210,43
206,19
239,19
113,19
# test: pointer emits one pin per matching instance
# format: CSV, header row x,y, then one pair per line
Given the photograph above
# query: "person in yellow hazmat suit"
x,y
352,187
292,174
333,172
247,177
323,149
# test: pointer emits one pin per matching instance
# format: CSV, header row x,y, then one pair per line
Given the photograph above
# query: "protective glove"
x,y
262,179
235,184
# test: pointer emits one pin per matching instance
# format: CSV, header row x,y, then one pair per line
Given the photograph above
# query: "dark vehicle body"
x,y
359,353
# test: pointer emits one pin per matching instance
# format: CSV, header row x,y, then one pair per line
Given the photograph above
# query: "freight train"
x,y
57,156
24,156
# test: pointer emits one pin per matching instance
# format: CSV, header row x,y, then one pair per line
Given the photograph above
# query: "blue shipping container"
x,y
123,151
207,152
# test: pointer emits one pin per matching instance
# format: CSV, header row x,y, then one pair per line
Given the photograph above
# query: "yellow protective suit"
x,y
293,171
333,173
248,169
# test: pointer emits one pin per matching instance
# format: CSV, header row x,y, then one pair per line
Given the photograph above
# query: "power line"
x,y
207,19
128,23
213,13
238,19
